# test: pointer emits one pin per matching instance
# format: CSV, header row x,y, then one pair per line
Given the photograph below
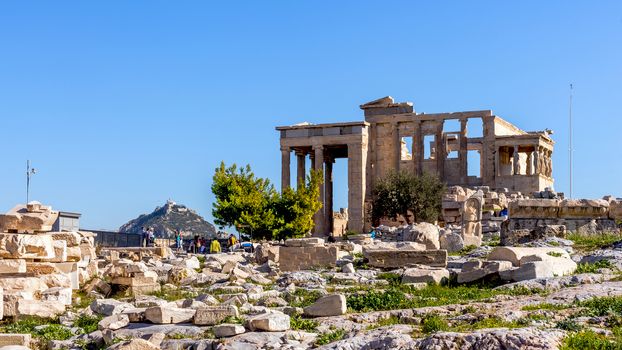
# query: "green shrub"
x,y
589,339
87,323
555,254
303,297
545,306
569,325
433,323
329,337
389,321
299,323
392,277
594,241
602,306
594,267
54,332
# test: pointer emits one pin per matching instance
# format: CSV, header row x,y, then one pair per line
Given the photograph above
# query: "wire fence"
x,y
117,239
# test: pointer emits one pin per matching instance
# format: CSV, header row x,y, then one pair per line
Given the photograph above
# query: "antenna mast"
x,y
570,139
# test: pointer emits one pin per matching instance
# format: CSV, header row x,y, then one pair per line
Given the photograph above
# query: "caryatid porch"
x,y
323,143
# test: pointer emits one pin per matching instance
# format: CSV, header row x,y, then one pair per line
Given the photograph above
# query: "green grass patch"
x,y
87,323
433,323
489,322
464,251
588,339
53,331
329,337
602,306
299,323
555,254
594,241
594,267
545,306
391,277
569,325
303,297
174,294
389,321
406,297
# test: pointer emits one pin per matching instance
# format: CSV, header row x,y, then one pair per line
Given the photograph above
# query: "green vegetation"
x,y
174,294
569,325
87,323
433,323
464,251
254,207
588,339
405,297
593,267
594,241
555,254
83,300
402,193
329,337
303,297
389,321
392,277
545,306
52,330
602,306
299,323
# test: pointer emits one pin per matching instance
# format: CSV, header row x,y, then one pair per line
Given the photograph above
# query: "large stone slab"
x,y
396,258
515,254
15,339
26,246
269,322
329,305
12,266
307,257
43,309
212,315
168,314
425,275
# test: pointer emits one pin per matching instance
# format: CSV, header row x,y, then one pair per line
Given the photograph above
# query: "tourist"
x,y
178,240
151,242
143,237
231,242
214,247
203,248
196,244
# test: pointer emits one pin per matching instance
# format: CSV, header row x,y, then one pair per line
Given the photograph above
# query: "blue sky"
x,y
124,104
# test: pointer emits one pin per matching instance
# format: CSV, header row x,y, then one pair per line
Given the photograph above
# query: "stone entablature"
x,y
395,137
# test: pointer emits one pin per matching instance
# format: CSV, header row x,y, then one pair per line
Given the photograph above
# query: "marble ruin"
x,y
480,149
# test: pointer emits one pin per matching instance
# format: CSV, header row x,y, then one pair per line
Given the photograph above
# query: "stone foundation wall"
x,y
303,258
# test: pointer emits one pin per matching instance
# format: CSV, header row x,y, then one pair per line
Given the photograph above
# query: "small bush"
x,y
589,339
299,323
87,323
594,267
54,332
544,306
329,337
433,323
594,241
389,321
555,254
569,325
392,277
304,297
602,306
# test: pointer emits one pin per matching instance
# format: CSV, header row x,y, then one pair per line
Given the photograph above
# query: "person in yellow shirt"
x,y
214,247
231,242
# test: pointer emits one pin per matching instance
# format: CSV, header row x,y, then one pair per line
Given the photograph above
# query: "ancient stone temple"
x,y
473,148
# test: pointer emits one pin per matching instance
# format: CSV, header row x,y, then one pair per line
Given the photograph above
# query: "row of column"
x,y
321,161
538,162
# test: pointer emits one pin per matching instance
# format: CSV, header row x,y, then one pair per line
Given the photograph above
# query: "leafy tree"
x,y
295,208
254,207
402,193
243,201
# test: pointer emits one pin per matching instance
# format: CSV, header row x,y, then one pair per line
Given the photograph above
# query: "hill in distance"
x,y
170,217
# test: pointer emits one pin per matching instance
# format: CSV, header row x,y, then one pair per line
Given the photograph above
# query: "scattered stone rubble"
x,y
153,298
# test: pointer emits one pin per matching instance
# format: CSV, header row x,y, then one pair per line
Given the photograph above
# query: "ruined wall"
x,y
304,254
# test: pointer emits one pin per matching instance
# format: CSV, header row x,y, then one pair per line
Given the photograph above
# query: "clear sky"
x,y
121,105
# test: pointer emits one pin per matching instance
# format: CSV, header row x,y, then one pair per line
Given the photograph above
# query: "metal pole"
x,y
570,139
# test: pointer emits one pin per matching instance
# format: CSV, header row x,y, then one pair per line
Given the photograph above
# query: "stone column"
x,y
536,160
516,161
300,157
417,148
328,194
285,179
318,218
497,161
529,168
397,142
462,152
357,159
440,151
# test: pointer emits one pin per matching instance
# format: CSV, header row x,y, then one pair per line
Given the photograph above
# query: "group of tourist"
x,y
147,237
201,245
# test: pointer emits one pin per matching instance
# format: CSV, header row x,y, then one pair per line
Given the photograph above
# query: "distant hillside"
x,y
170,217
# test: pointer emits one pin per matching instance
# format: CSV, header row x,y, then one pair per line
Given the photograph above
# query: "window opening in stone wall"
x,y
475,127
429,146
474,163
451,125
406,148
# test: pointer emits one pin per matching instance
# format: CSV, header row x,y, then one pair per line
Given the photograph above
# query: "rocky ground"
x,y
230,301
